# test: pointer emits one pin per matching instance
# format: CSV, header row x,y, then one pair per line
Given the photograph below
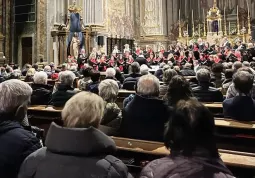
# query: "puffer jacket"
x,y
74,153
16,144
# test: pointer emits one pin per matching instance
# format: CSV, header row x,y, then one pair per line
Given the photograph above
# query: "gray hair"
x,y
108,90
83,110
237,65
135,67
47,69
203,75
14,93
148,85
73,68
66,77
166,67
40,78
168,75
144,69
246,64
110,72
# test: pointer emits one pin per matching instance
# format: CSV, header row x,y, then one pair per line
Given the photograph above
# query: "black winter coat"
x,y
144,119
207,94
41,94
16,144
74,153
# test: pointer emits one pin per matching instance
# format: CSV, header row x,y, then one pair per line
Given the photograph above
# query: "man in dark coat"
x,y
78,150
203,92
131,80
141,60
16,143
242,106
145,116
187,71
41,91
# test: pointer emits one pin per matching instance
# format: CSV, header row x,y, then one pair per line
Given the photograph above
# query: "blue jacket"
x,y
16,144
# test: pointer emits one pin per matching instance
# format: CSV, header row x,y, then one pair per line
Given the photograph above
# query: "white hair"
x,y
47,69
110,72
144,69
40,78
148,85
73,68
14,93
83,110
66,77
108,90
250,45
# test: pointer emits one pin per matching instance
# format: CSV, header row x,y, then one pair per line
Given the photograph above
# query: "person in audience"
x,y
159,72
25,69
95,78
79,149
16,142
83,83
144,117
108,90
178,89
203,92
1,77
119,76
217,75
130,81
47,70
30,75
74,70
187,71
167,77
232,92
237,65
228,80
144,69
242,106
64,90
190,137
177,69
110,73
246,64
141,60
36,67
41,91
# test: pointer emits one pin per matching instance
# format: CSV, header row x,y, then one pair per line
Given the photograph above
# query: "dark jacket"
x,y
144,119
159,74
188,72
93,87
204,93
141,61
16,144
41,94
62,95
217,79
199,166
241,108
74,153
113,78
130,81
1,79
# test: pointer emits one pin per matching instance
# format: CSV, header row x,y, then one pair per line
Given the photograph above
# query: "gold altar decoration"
x,y
214,16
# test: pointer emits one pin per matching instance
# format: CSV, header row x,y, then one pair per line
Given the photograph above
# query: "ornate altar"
x,y
214,21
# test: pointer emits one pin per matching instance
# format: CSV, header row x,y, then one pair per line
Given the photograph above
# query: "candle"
x,y
229,27
187,29
179,15
237,12
192,16
204,13
224,13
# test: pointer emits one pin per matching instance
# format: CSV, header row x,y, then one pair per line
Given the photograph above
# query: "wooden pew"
x,y
141,151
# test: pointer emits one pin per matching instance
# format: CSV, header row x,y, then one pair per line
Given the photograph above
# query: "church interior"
x,y
127,88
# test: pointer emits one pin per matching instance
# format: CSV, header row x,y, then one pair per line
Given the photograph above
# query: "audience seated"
x,y
167,77
48,71
30,74
110,74
83,83
232,92
74,70
119,76
203,92
64,90
228,80
78,149
144,117
25,69
187,70
159,72
217,75
41,91
16,143
130,81
95,78
108,90
190,136
242,106
179,89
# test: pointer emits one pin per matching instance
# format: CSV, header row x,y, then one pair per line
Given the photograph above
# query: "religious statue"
x,y
75,26
74,46
126,49
115,50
